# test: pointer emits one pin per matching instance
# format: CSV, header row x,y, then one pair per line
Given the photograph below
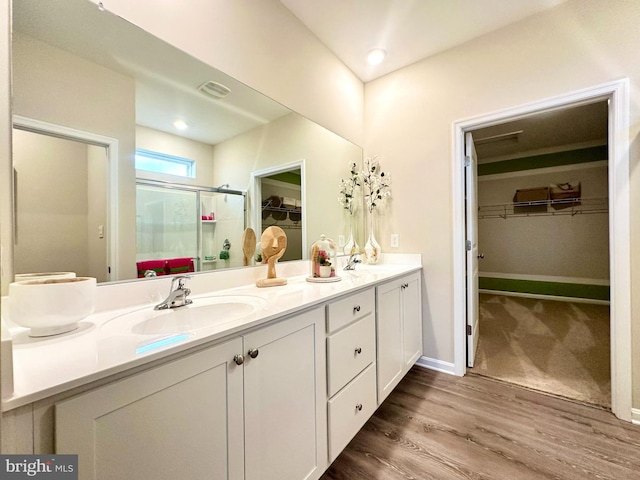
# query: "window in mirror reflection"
x,y
162,163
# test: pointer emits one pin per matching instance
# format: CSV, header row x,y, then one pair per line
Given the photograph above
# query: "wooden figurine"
x,y
248,246
274,244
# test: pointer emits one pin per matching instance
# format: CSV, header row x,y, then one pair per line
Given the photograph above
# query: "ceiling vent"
x,y
214,89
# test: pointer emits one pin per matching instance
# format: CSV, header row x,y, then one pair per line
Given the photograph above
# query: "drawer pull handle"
x,y
239,359
253,352
356,309
359,407
358,351
404,285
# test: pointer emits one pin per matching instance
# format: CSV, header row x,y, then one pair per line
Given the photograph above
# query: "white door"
x,y
473,312
182,419
285,408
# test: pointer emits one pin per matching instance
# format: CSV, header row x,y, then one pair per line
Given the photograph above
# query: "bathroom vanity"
x,y
277,392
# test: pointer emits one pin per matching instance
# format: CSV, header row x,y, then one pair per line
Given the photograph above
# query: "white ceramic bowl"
x,y
23,277
51,306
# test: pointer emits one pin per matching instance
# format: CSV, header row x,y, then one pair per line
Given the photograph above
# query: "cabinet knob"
x,y
359,407
404,285
356,309
253,352
358,351
239,359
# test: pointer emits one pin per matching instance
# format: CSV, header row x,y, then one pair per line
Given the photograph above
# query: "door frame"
x,y
111,146
617,93
255,197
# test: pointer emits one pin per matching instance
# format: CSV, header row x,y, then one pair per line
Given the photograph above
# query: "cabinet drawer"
x,y
349,309
350,409
349,351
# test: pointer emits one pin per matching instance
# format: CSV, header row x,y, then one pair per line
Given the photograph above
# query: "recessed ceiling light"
x,y
180,124
376,56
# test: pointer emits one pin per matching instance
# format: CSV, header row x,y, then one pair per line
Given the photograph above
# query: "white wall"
x,y
561,246
53,86
6,164
289,139
409,116
52,206
162,142
262,44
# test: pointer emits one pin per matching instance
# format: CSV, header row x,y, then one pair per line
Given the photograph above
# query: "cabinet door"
x,y
390,361
178,420
411,320
285,402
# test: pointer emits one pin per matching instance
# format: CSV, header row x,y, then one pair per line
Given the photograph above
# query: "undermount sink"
x,y
203,312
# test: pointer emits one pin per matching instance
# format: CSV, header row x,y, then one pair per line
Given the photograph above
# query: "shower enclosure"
x,y
175,221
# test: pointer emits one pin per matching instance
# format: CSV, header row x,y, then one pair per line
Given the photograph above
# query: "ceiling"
x,y
555,130
409,30
166,79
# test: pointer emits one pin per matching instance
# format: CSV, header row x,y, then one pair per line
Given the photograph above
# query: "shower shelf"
x,y
543,208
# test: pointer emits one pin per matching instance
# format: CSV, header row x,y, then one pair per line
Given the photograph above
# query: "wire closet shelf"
x,y
541,208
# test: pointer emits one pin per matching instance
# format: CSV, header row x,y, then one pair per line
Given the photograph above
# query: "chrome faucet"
x,y
351,263
177,296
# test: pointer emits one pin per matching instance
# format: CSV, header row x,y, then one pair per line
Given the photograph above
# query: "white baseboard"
x,y
545,278
546,297
635,416
438,365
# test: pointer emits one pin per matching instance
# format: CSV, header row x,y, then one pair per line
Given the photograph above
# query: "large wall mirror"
x,y
91,93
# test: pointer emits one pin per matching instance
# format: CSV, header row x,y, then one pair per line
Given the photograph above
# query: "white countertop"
x,y
103,345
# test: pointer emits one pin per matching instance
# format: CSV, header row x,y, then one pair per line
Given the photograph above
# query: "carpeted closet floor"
x,y
556,347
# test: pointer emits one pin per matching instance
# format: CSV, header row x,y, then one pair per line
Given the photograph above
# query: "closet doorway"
x,y
277,198
543,224
616,93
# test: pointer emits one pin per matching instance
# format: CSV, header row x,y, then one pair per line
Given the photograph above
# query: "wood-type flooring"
x,y
438,426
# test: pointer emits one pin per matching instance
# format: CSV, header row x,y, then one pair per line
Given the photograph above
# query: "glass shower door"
x,y
167,223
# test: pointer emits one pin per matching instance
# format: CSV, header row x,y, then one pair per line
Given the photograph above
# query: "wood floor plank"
x,y
441,427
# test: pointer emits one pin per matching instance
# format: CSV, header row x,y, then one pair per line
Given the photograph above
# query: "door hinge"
x,y
469,330
467,161
467,245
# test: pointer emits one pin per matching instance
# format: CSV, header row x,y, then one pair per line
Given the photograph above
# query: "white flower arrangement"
x,y
376,182
348,189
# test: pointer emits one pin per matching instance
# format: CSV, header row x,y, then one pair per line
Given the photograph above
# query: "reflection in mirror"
x,y
61,201
187,228
281,195
81,68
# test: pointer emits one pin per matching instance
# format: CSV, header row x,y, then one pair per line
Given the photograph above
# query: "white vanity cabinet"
x,y
182,419
285,404
211,414
351,375
399,330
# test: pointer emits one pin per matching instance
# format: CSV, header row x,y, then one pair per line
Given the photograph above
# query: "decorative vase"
x,y
372,248
351,247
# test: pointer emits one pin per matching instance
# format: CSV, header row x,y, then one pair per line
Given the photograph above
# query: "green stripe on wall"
x,y
287,177
583,155
559,289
